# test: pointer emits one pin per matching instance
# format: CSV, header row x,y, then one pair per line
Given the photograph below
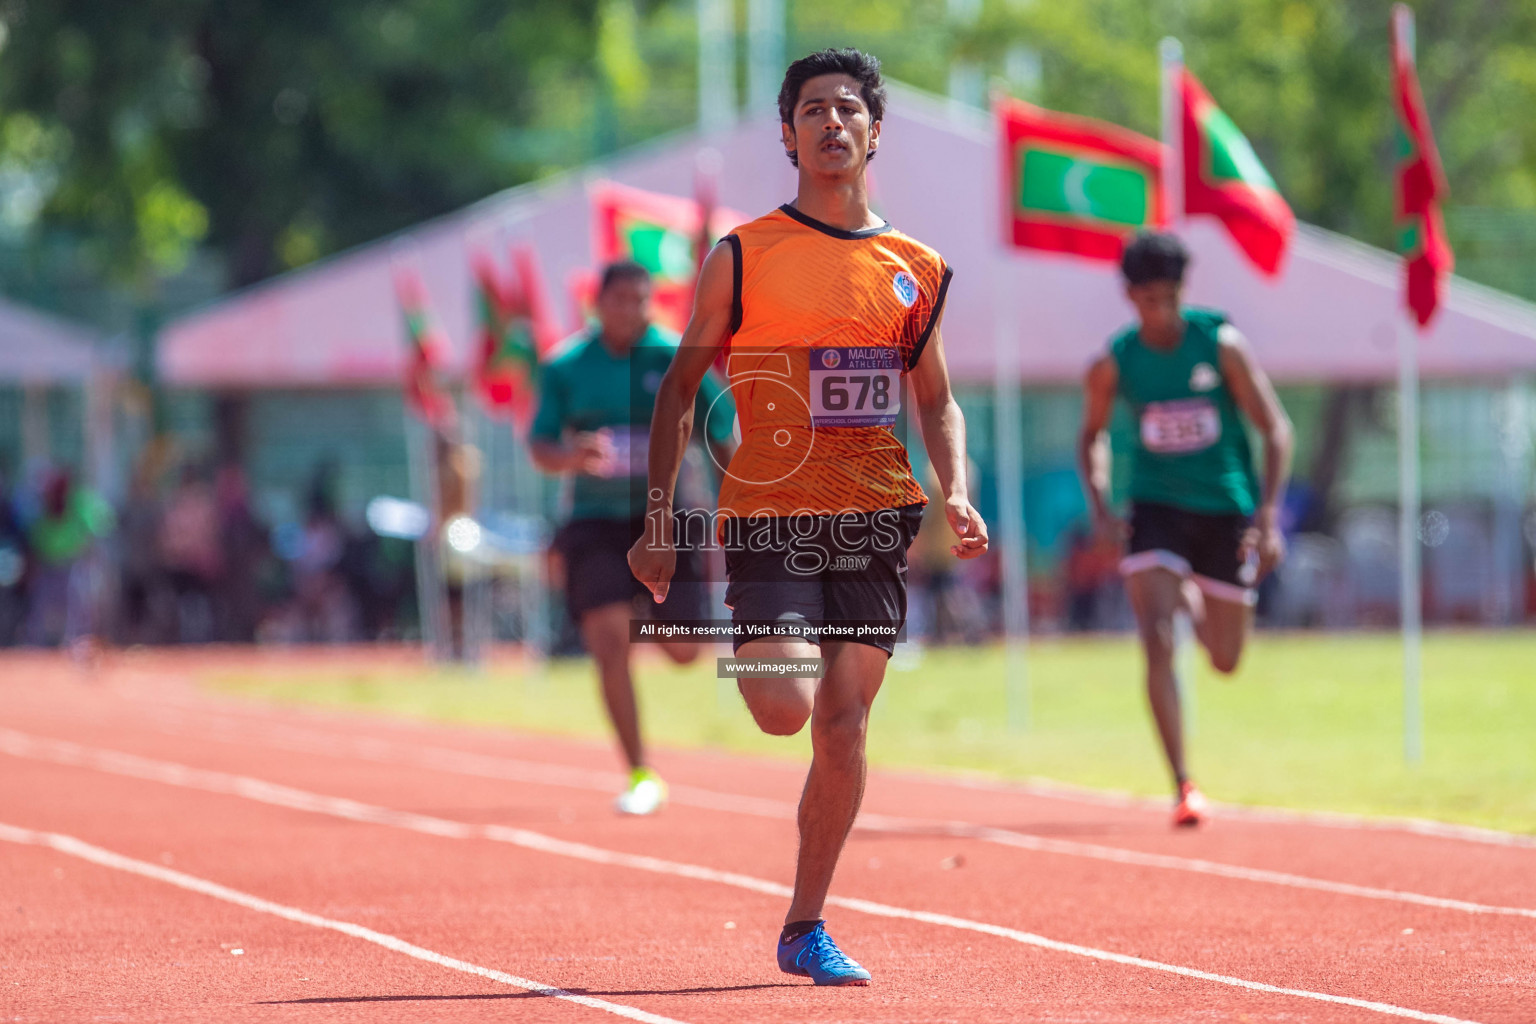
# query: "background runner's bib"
x,y
585,387
1190,425
1189,446
631,451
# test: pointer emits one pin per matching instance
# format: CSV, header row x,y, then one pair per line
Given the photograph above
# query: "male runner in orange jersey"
x,y
826,309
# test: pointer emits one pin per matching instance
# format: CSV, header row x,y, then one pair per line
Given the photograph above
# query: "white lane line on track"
x,y
107,858
1053,789
540,773
171,773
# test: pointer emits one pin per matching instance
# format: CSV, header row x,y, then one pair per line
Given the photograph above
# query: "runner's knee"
x,y
777,708
839,730
1157,638
682,652
1225,660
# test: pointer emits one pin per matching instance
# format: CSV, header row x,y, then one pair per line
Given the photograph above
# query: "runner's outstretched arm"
x,y
1092,446
1256,397
944,438
653,558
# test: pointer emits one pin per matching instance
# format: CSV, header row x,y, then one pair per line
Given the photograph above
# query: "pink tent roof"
x,y
1332,315
36,348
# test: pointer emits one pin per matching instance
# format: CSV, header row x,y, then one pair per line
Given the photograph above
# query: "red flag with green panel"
x,y
1076,185
1420,182
424,396
515,329
662,233
1224,178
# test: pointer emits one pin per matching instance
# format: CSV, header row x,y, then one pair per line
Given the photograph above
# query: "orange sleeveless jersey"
x,y
825,323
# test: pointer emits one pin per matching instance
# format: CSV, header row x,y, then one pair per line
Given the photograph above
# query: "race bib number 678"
x,y
855,387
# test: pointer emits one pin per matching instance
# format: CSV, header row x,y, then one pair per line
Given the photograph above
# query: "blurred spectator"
x,y
190,554
1092,579
458,490
243,539
380,574
148,607
65,584
13,565
322,602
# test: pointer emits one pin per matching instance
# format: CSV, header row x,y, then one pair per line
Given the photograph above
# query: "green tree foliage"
x,y
272,132
1307,80
275,131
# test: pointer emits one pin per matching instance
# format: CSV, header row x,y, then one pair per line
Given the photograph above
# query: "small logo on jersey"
x,y
1203,377
651,381
905,286
831,359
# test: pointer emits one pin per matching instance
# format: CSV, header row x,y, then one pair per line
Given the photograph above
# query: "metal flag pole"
x,y
765,54
1409,568
1008,420
1171,54
717,64
419,474
477,579
1171,51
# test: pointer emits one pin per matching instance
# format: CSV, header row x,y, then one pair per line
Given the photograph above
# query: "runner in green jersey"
x,y
596,397
1203,529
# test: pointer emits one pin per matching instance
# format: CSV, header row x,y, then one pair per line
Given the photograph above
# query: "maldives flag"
x,y
1420,184
667,235
1075,185
515,329
1223,177
423,394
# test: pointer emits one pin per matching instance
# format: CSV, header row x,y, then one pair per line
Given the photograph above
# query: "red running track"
x,y
373,869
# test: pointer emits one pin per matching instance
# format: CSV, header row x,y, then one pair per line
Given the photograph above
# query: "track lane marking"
x,y
542,773
192,883
1054,789
171,773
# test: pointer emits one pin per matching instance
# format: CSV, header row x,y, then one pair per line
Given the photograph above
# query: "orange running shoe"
x,y
1192,809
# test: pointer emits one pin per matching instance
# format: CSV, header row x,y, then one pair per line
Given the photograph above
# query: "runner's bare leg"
x,y
834,788
1225,631
780,705
1155,597
606,632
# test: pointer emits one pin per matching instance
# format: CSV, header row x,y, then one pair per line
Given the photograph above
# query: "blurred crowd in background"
x,y
184,558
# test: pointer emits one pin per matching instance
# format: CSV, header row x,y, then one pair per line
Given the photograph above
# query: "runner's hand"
x,y
654,563
594,452
1108,526
968,526
1266,539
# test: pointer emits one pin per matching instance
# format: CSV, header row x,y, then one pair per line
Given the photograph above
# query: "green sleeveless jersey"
x,y
1191,448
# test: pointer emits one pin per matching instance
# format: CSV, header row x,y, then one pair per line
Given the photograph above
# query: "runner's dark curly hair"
x,y
862,67
1154,256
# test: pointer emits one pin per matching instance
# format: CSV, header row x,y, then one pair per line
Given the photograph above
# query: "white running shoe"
x,y
646,794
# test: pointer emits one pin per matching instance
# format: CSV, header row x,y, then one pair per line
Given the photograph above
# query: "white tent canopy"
x,y
1332,315
36,348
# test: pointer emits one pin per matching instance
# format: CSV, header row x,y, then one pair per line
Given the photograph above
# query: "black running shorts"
x,y
1192,544
596,553
843,578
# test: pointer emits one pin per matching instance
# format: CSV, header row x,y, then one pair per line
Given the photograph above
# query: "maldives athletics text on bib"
x,y
854,387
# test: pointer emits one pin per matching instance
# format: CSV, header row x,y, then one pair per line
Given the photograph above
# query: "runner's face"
x,y
624,310
832,134
1157,306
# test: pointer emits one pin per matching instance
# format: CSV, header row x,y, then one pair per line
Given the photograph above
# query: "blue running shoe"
x,y
814,955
